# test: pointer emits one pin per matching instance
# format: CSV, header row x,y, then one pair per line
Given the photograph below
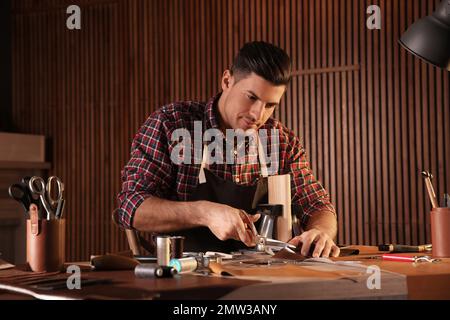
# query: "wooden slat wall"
x,y
371,116
5,67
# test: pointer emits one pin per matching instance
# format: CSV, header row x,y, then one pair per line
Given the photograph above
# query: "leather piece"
x,y
345,252
23,274
113,262
4,265
286,254
289,255
279,266
282,271
34,218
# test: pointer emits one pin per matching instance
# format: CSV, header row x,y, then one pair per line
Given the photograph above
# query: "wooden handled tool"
x,y
428,176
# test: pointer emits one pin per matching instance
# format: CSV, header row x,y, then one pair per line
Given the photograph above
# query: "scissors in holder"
x,y
56,187
54,183
21,193
50,194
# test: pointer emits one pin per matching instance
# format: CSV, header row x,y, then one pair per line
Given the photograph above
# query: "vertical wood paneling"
x,y
370,115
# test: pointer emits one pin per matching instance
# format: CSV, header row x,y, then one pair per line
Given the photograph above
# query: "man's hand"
x,y
324,244
226,222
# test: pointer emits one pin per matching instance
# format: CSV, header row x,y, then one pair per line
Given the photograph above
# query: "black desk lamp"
x,y
429,38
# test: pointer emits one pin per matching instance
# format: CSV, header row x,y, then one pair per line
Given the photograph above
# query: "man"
x,y
210,204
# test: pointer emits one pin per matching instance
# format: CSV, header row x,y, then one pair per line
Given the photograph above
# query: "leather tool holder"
x,y
45,244
440,232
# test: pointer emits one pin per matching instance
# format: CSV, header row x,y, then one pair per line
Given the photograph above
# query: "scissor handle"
x,y
17,192
54,181
26,180
37,185
32,196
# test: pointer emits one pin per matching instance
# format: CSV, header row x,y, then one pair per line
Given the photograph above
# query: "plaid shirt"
x,y
150,171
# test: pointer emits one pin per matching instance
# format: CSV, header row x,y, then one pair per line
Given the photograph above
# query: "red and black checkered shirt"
x,y
150,171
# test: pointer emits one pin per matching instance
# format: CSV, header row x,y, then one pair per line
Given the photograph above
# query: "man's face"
x,y
249,102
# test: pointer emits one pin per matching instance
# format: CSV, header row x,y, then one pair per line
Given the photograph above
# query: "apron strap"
x,y
201,175
262,159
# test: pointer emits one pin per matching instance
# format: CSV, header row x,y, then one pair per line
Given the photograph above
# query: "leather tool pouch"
x,y
440,232
45,244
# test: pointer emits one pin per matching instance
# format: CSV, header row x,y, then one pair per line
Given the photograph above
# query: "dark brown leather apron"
x,y
216,189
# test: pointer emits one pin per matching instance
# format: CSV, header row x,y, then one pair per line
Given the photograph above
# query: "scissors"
x,y
26,183
45,191
21,193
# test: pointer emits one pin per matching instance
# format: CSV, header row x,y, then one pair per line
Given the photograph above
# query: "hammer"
x,y
428,176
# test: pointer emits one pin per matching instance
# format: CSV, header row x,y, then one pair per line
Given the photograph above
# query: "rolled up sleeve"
x,y
306,190
148,172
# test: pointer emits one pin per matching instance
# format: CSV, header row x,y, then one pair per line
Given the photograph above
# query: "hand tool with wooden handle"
x,y
428,176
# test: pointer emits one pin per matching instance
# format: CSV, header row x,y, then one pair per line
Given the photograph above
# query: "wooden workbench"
x,y
400,280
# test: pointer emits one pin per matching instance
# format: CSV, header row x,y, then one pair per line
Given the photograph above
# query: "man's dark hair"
x,y
264,59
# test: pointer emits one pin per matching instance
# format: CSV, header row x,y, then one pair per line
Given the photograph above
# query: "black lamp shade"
x,y
429,38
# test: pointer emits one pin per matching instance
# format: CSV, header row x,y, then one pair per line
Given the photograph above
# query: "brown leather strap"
x,y
34,218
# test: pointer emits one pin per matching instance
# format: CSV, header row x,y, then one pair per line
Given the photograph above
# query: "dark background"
x,y
6,123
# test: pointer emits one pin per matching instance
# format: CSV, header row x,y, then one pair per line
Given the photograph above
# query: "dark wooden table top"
x,y
424,281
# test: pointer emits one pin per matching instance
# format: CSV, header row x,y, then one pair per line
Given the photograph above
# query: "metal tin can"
x,y
163,250
176,247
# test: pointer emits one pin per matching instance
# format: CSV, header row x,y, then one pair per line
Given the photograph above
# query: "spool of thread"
x,y
184,265
163,250
176,247
152,270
